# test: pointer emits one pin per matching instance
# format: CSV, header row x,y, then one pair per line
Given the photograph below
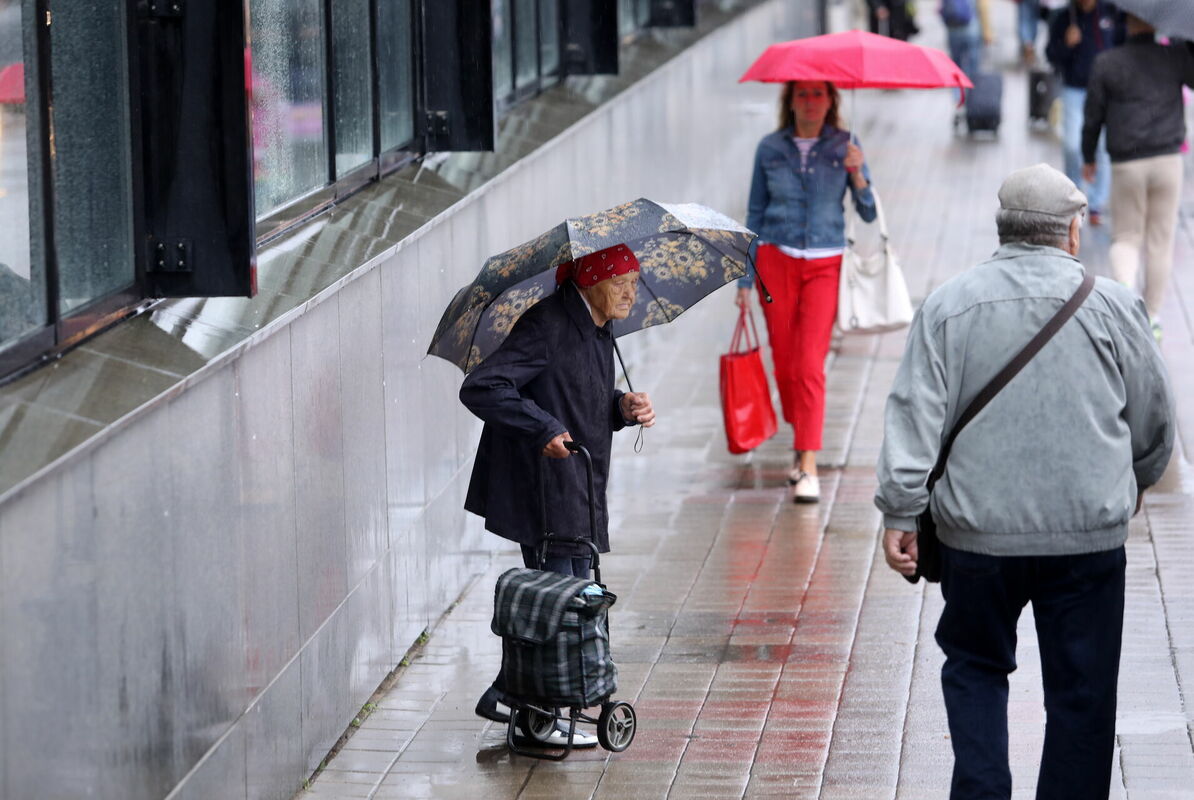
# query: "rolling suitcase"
x,y
984,103
1042,91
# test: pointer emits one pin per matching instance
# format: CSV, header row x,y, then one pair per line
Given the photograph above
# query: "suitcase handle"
x,y
548,536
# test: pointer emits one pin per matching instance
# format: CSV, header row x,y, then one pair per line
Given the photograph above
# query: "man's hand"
x,y
1073,36
1088,172
555,448
637,406
899,548
882,12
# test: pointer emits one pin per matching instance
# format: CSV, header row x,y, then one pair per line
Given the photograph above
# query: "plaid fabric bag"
x,y
555,638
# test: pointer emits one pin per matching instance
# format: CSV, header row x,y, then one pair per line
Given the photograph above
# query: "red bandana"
x,y
594,268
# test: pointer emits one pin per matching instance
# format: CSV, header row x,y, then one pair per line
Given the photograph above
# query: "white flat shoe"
x,y
559,738
806,489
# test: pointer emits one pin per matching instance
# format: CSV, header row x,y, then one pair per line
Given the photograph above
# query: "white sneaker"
x,y
806,489
559,738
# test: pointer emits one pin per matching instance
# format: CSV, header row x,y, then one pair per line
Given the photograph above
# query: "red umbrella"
x,y
857,60
12,84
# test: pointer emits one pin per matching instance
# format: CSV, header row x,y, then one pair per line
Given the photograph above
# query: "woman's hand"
x,y
853,163
743,298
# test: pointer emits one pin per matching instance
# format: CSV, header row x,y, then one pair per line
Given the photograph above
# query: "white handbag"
x,y
872,296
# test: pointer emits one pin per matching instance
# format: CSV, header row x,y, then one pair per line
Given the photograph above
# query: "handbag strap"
x,y
1010,371
879,217
745,328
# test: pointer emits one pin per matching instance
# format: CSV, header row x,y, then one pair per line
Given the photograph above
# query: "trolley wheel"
x,y
616,726
535,725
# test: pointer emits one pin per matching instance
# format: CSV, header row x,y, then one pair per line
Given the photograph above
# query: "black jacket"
x,y
554,373
1136,91
1102,28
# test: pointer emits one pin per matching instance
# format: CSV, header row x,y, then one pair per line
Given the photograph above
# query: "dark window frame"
x,y
432,131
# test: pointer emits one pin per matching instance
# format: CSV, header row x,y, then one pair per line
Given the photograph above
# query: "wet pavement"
x,y
766,647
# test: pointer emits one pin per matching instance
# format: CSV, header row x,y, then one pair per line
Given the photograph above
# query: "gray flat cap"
x,y
1043,190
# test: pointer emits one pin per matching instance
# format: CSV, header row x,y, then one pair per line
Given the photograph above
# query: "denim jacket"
x,y
803,209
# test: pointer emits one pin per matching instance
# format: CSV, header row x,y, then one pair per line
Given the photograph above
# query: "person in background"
x,y
892,18
1135,93
1078,33
801,175
1038,489
1028,19
963,27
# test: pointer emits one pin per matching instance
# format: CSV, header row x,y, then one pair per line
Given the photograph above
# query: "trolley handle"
x,y
583,452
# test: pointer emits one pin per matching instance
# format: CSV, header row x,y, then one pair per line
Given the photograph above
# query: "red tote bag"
x,y
745,397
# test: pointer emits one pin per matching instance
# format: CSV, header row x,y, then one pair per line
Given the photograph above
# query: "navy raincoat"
x,y
554,373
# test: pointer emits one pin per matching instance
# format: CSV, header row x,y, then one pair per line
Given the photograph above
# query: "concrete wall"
x,y
196,601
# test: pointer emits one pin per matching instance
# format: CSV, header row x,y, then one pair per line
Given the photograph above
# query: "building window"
x,y
633,15
396,84
526,50
503,49
287,91
549,37
353,84
92,207
22,276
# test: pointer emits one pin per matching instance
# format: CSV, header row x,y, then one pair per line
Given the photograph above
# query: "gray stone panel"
x,y
274,764
363,417
319,473
221,774
267,544
325,699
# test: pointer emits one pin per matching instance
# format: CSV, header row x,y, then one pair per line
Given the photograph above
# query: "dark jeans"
x,y
576,566
1078,605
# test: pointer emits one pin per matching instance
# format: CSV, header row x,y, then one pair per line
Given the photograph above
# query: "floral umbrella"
x,y
685,251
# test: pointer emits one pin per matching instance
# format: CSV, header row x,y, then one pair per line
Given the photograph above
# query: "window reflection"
x,y
395,76
22,296
549,36
354,89
503,50
286,98
92,205
526,50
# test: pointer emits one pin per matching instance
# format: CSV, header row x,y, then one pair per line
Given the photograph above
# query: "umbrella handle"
x,y
750,257
638,440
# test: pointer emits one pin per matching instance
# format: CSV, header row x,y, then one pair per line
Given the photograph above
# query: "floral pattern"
x,y
685,252
661,310
512,305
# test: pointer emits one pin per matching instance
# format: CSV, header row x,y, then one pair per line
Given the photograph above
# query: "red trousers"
x,y
799,327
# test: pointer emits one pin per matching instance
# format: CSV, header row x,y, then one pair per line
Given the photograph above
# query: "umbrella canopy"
x,y
1170,17
857,60
685,251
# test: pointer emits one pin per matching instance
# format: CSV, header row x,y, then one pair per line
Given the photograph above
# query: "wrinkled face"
x,y
810,102
614,297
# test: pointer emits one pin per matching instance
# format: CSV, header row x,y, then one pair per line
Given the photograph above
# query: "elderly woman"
x,y
550,382
801,175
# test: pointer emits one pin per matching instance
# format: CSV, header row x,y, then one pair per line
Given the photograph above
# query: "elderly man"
x,y
551,382
1038,487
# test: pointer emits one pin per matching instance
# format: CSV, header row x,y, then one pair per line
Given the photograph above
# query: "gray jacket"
x,y
1053,465
1135,90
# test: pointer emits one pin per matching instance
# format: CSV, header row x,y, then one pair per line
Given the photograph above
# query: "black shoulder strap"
x,y
1007,373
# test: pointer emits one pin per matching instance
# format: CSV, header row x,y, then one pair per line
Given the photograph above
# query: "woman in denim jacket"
x,y
801,175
